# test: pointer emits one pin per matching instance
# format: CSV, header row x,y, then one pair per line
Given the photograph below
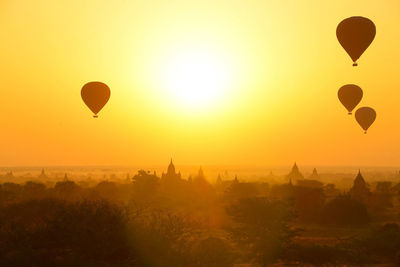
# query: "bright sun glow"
x,y
197,79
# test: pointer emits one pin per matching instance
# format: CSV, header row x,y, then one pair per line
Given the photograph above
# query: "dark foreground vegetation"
x,y
152,221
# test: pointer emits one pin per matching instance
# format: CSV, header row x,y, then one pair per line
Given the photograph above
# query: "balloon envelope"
x,y
350,96
365,116
95,95
355,34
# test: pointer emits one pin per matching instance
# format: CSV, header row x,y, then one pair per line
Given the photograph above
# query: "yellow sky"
x,y
283,66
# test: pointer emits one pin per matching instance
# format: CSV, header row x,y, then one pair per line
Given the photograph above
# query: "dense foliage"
x,y
152,221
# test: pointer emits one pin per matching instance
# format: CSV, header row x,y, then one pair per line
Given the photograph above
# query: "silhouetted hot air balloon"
x,y
95,95
365,116
355,34
350,95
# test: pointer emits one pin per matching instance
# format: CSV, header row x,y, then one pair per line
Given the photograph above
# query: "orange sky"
x,y
281,63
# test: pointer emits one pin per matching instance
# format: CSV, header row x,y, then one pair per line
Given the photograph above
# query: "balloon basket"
x,y
95,116
365,132
355,64
349,113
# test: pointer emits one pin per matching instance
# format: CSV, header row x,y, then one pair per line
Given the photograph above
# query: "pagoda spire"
x,y
295,174
171,168
219,179
314,175
42,174
201,173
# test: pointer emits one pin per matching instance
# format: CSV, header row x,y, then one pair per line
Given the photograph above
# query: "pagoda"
x,y
314,175
171,174
294,174
360,189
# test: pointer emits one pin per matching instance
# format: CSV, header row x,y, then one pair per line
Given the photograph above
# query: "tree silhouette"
x,y
261,227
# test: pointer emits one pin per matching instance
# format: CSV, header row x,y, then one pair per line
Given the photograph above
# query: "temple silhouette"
x,y
294,174
171,175
360,189
314,175
42,175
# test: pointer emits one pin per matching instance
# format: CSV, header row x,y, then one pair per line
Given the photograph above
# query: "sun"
x,y
197,78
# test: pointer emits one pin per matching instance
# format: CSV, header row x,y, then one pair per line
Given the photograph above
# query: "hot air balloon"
x,y
355,34
365,116
350,95
95,95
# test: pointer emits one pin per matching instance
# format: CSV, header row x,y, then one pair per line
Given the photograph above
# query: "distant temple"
x,y
295,174
311,182
200,185
171,174
219,179
360,189
271,176
42,175
314,175
200,177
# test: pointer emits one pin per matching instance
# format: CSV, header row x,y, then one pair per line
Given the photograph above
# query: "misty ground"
x,y
107,216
